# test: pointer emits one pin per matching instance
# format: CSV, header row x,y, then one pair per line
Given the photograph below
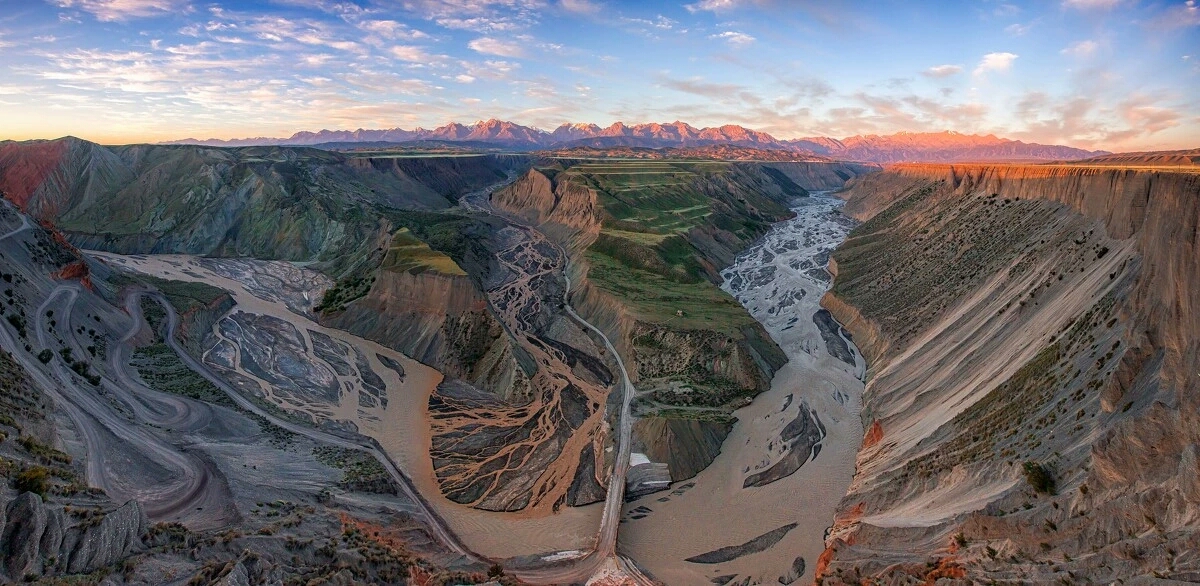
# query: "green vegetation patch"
x,y
1040,477
185,296
162,369
20,401
658,299
360,470
344,291
648,197
411,254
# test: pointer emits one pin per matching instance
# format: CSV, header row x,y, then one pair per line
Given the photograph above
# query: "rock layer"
x,y
1022,318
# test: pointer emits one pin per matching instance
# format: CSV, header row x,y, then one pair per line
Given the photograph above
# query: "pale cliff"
x,y
1033,337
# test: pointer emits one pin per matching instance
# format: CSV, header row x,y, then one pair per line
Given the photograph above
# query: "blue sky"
x,y
1113,74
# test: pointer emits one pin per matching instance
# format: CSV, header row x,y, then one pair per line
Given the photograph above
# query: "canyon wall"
x,y
267,202
1032,403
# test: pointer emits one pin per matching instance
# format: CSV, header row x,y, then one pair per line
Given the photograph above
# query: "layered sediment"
x,y
1032,336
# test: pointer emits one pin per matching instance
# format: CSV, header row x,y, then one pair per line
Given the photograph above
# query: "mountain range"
x,y
932,146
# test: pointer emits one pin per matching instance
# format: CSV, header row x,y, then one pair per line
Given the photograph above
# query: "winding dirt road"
x,y
171,482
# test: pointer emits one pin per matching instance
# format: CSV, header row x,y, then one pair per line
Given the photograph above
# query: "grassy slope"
x,y
645,254
666,229
409,253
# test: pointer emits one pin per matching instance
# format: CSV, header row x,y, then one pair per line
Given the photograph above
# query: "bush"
x,y
45,356
32,480
1039,477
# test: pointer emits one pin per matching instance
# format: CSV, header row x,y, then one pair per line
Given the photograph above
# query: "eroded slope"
x,y
1031,409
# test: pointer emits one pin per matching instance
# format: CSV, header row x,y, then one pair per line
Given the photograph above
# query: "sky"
x,y
1113,74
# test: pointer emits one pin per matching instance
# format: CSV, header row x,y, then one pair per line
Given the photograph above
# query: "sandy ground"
x,y
402,427
717,511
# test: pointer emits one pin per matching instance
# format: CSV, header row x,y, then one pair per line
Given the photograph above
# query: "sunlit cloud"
x,y
995,62
117,10
163,69
713,5
1018,29
734,38
1092,4
1081,49
939,71
580,6
490,46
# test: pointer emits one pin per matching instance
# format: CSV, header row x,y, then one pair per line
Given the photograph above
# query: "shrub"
x,y
32,480
1039,477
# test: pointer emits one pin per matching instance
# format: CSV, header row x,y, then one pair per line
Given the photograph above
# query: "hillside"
x,y
410,264
1184,158
904,146
937,147
1032,339
266,202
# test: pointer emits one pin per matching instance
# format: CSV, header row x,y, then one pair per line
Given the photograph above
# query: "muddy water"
x,y
268,345
780,281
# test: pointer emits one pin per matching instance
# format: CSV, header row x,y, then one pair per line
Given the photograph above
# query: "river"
x,y
752,511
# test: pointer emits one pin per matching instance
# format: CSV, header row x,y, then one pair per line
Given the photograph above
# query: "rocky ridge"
x,y
904,146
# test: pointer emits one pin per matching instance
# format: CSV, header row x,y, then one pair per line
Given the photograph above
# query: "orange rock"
x,y
77,270
873,435
823,561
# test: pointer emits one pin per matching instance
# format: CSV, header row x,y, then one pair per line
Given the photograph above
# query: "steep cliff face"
x,y
647,240
41,539
1032,334
267,202
816,176
439,318
564,209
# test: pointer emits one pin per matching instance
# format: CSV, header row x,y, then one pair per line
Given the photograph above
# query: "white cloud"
x,y
942,71
391,30
490,69
464,78
1179,16
410,53
580,6
492,46
1018,29
713,5
1091,4
995,62
112,10
734,38
1081,49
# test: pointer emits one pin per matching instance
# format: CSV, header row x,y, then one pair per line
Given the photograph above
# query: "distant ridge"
x,y
929,146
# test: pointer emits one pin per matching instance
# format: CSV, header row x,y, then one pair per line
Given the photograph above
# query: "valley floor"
x,y
759,511
269,347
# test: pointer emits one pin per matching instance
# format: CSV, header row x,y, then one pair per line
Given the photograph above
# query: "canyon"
x,y
609,362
